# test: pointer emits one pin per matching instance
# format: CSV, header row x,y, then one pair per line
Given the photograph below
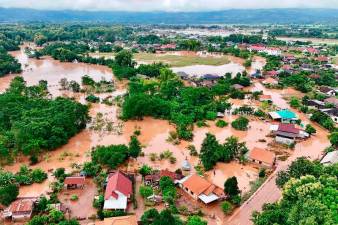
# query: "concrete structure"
x,y
75,182
20,209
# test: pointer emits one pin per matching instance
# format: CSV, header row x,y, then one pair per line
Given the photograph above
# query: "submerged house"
x,y
154,179
332,113
75,182
284,116
262,157
118,192
287,133
327,91
20,209
201,189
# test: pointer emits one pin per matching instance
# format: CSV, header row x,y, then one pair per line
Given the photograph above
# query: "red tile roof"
x,y
75,180
22,205
118,182
199,185
288,128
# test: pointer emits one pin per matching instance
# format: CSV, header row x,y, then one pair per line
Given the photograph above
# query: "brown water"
x,y
153,137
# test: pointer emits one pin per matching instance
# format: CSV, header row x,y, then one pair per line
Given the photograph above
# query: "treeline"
x,y
8,64
31,123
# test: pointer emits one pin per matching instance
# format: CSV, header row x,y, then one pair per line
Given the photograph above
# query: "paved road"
x,y
268,193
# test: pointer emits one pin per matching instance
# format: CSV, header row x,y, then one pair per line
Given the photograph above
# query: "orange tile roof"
x,y
75,180
121,220
199,185
262,155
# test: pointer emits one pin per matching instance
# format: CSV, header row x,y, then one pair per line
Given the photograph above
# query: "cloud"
x,y
165,5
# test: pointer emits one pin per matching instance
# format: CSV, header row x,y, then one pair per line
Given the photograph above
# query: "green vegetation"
x,y
241,123
31,123
8,64
146,191
213,152
309,192
221,123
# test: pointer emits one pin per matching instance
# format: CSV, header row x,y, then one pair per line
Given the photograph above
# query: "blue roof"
x,y
286,114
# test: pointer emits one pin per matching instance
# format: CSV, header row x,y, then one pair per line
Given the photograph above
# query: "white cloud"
x,y
166,5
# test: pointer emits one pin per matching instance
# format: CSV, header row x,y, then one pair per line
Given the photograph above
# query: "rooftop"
x,y
75,180
262,155
118,182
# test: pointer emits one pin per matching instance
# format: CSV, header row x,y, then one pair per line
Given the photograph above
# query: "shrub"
x,y
221,123
145,191
226,207
74,198
261,172
240,123
92,99
211,115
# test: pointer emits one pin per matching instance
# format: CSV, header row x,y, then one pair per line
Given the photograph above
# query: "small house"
x,y
285,116
262,157
330,158
118,192
332,113
154,179
316,104
332,100
75,182
200,189
20,209
287,133
270,81
327,91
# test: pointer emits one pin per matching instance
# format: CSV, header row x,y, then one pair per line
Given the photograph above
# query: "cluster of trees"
x,y
153,217
212,151
309,192
30,123
114,155
167,98
8,64
45,215
9,182
323,119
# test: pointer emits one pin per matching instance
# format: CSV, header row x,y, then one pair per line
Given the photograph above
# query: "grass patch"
x,y
254,185
175,60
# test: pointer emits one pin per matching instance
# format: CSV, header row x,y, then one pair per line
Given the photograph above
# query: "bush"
x,y
226,207
240,123
74,198
146,191
261,172
92,99
221,123
211,115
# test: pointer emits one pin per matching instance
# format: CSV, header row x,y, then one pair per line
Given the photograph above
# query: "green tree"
x,y
134,147
241,123
310,129
145,191
196,220
207,154
145,170
334,138
124,58
226,207
231,187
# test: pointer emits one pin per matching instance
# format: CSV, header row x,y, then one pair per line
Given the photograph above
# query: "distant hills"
x,y
231,16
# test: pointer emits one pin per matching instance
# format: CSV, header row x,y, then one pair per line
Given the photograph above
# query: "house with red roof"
x,y
20,209
118,192
75,182
287,133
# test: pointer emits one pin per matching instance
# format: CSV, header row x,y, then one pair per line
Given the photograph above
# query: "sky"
x,y
165,5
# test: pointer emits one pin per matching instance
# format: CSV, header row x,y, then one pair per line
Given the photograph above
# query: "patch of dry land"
x,y
175,59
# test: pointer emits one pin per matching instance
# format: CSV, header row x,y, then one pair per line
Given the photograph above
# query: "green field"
x,y
335,60
175,60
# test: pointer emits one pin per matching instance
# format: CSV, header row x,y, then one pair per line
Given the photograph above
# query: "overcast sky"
x,y
165,5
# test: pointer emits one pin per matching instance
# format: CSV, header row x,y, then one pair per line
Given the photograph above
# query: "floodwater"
x,y
154,134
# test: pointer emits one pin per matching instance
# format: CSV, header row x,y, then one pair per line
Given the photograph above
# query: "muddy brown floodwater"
x,y
154,134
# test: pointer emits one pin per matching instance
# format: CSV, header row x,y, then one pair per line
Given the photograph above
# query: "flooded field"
x,y
313,40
